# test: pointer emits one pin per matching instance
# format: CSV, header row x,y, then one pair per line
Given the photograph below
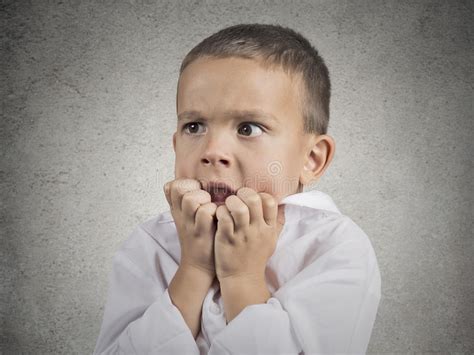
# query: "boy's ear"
x,y
174,141
318,157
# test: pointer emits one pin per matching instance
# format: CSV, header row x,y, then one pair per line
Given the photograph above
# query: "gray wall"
x,y
88,108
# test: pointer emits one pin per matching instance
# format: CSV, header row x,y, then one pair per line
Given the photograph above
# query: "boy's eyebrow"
x,y
236,114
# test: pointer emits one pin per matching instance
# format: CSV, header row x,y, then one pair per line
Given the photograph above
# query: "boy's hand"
x,y
193,213
246,235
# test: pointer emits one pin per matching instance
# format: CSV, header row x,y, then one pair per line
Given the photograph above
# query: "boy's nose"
x,y
215,158
215,153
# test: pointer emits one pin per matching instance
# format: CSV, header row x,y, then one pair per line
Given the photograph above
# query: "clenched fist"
x,y
194,216
246,234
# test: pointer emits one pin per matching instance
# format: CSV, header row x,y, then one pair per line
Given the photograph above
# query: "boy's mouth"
x,y
219,192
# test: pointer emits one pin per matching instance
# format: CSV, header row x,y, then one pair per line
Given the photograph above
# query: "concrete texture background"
x,y
88,108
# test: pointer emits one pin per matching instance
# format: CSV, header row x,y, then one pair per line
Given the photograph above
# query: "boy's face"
x,y
215,144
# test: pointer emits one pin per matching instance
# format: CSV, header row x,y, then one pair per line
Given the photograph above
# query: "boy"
x,y
245,262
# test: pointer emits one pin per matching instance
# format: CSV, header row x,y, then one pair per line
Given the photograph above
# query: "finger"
x,y
252,199
166,190
204,222
269,208
239,212
179,187
225,223
191,201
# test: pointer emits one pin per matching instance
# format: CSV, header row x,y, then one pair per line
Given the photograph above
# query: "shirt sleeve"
x,y
329,307
258,329
139,317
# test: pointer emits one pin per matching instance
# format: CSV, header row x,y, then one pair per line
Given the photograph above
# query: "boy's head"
x,y
253,110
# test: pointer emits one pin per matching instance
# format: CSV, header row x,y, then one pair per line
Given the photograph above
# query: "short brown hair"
x,y
275,45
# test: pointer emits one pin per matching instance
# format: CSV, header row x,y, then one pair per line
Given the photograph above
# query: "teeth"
x,y
220,191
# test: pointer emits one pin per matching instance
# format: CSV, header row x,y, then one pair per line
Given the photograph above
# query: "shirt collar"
x,y
313,199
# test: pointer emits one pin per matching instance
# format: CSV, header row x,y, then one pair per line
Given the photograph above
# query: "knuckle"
x,y
192,184
188,196
253,199
222,213
249,196
232,200
244,191
184,185
240,211
203,195
271,203
175,188
172,185
203,209
268,200
179,188
188,205
211,207
206,194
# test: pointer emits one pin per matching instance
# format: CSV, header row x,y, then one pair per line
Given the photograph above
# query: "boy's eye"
x,y
193,128
250,130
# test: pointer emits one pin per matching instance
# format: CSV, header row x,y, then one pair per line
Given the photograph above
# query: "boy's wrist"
x,y
241,291
187,290
203,276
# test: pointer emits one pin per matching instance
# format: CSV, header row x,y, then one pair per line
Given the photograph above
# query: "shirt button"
x,y
215,308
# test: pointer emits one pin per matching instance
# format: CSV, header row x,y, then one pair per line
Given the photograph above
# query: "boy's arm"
x,y
329,307
139,316
187,291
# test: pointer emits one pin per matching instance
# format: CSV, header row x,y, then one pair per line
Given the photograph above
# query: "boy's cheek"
x,y
181,172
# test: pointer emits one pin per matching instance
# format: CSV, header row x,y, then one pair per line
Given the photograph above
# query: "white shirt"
x,y
323,277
